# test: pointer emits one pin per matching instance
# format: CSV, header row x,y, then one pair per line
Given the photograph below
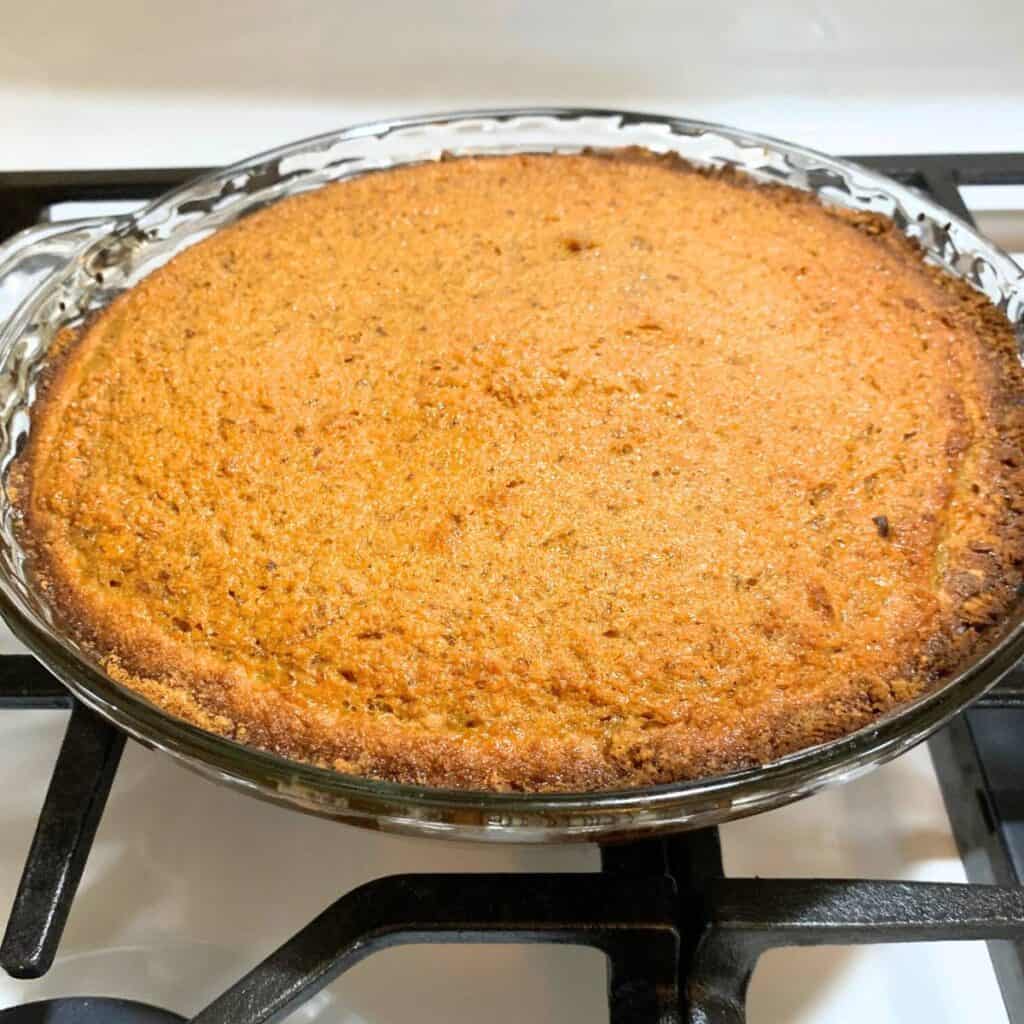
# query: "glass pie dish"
x,y
61,274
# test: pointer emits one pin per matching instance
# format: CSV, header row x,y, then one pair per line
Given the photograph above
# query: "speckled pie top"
x,y
533,473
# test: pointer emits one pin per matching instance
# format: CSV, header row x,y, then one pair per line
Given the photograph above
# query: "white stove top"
x,y
189,884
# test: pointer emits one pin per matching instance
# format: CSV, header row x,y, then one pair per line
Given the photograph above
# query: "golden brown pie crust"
x,y
535,473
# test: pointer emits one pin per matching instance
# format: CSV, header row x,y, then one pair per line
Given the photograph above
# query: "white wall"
x,y
133,82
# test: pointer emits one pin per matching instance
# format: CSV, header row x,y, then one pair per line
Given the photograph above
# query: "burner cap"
x,y
88,1010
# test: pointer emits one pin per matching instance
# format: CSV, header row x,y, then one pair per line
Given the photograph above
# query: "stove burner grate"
x,y
681,939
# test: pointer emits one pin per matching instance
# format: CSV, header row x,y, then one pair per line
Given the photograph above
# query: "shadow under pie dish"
x,y
533,472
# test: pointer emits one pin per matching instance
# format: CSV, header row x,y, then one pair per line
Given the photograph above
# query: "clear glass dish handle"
x,y
30,257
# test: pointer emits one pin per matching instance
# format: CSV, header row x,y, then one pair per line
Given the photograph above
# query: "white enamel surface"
x,y
114,83
190,884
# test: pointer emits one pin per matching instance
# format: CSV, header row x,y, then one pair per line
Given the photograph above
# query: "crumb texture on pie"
x,y
533,472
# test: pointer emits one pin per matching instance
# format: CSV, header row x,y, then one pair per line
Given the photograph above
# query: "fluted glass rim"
x,y
103,258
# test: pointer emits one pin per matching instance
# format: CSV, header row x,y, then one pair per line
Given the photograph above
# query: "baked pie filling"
x,y
533,473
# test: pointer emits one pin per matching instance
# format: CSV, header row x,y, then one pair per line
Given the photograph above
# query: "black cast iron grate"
x,y
681,939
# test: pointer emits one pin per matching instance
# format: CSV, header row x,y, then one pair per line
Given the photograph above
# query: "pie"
x,y
533,473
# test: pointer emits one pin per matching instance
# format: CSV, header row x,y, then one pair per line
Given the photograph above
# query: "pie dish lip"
x,y
220,757
544,815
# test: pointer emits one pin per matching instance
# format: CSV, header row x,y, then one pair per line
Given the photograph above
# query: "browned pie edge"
x,y
982,587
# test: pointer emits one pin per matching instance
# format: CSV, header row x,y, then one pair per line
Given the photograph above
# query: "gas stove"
x,y
140,893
